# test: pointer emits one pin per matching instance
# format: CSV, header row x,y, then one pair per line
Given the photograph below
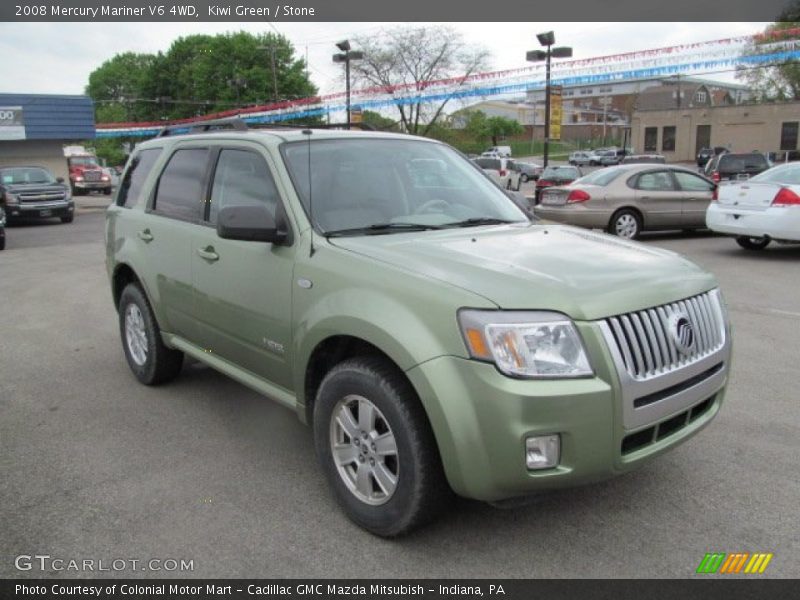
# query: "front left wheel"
x,y
376,447
149,359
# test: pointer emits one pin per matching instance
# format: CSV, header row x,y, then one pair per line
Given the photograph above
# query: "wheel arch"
x,y
630,208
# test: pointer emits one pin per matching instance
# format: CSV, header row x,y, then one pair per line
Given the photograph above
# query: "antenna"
x,y
308,133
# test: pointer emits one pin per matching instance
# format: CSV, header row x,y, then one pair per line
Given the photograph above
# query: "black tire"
x,y
107,191
626,223
524,178
77,192
421,488
753,243
2,242
161,364
508,185
68,219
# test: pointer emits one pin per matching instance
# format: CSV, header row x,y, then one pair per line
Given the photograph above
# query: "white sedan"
x,y
759,210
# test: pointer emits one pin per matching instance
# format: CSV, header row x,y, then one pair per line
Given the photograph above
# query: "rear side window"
x,y
180,187
135,176
242,178
658,181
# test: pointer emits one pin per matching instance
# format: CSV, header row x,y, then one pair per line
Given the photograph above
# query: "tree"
x,y
776,82
200,74
378,121
480,127
404,62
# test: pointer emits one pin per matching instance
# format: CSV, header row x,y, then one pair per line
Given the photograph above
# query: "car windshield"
x,y
601,177
371,185
83,161
742,162
21,175
788,174
560,173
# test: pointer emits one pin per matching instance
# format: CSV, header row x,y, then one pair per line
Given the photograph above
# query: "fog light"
x,y
542,451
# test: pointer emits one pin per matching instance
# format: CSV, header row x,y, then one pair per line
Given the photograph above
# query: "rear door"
x,y
696,195
243,290
164,233
658,198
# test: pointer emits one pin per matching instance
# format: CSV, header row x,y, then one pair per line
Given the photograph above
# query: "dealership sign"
x,y
12,124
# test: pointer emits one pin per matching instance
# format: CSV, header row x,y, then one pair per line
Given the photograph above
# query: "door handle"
x,y
208,254
146,236
644,197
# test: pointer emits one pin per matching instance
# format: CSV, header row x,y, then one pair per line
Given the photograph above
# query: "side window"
x,y
137,172
180,187
692,183
657,181
242,178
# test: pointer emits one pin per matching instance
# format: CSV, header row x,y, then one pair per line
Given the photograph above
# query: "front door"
x,y
695,197
703,138
243,290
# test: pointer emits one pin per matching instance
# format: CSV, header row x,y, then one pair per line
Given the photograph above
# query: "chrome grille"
x,y
92,175
41,196
646,341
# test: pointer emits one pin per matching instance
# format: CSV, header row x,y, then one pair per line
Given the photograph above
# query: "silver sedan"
x,y
628,199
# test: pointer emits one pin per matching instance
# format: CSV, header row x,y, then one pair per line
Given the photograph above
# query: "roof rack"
x,y
235,123
239,124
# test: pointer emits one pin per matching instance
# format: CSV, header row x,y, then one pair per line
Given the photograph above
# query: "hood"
x,y
29,188
583,274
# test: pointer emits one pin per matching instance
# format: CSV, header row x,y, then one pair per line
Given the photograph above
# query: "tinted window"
x,y
659,181
137,172
692,183
602,176
488,163
742,162
242,178
180,187
26,175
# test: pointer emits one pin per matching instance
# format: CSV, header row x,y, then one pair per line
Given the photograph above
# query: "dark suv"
x,y
733,166
33,193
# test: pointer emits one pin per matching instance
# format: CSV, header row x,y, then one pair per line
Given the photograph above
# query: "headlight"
x,y
11,198
525,344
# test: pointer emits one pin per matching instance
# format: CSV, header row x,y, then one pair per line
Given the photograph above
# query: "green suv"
x,y
387,291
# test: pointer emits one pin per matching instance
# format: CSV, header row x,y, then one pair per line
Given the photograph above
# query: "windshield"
x,y
601,177
788,174
21,175
560,173
83,161
362,183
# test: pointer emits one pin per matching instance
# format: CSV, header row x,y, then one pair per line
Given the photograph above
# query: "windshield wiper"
x,y
475,221
380,228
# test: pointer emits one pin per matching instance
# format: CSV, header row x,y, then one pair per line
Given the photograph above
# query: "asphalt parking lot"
x,y
96,466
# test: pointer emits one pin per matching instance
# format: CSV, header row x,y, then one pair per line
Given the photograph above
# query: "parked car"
x,y
528,171
580,158
644,158
704,155
629,199
34,193
2,228
597,155
760,210
502,170
504,151
736,166
555,175
434,339
613,157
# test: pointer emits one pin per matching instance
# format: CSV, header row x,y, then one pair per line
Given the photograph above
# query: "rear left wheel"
x,y
752,243
376,447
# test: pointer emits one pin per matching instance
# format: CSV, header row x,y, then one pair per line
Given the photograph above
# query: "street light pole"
x,y
346,56
547,40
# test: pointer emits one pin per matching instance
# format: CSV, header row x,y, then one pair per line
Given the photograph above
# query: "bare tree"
x,y
404,62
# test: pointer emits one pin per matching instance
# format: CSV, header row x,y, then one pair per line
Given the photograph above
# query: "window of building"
x,y
180,188
701,97
137,172
651,139
668,139
789,136
242,178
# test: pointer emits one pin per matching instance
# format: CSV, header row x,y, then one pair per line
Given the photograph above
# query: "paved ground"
x,y
96,466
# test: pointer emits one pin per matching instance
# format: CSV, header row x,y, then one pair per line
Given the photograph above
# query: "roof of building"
x,y
53,117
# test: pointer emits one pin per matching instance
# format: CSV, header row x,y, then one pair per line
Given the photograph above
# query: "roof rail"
x,y
199,126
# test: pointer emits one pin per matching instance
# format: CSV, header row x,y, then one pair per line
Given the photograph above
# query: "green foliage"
x,y
500,127
111,150
199,74
780,82
378,121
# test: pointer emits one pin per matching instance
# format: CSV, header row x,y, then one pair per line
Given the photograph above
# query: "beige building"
x,y
679,134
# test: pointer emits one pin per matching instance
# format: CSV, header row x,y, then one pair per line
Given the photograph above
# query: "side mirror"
x,y
59,180
249,224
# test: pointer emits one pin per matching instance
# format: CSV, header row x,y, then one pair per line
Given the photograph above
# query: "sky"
x,y
57,58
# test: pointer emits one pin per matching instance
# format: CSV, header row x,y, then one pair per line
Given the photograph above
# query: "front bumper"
x,y
91,185
40,210
775,222
481,419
